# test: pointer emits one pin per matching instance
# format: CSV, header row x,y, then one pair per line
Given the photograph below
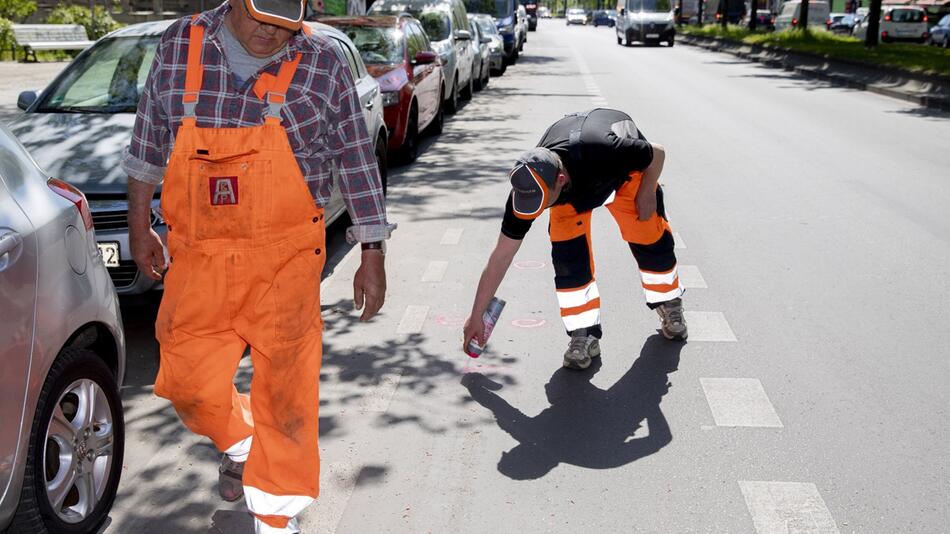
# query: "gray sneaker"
x,y
673,322
230,479
580,351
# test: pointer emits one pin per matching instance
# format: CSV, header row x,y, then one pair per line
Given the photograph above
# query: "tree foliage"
x,y
75,14
17,10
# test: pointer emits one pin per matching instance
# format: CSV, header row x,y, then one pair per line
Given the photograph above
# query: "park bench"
x,y
33,37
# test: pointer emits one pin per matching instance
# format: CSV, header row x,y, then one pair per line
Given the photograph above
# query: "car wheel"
x,y
381,163
620,40
478,80
454,98
410,146
469,90
486,79
670,42
435,127
514,56
74,457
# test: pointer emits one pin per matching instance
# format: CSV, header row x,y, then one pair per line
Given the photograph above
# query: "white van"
x,y
899,23
790,15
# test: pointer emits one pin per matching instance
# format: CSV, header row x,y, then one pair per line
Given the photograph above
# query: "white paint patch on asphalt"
x,y
412,320
678,241
708,326
739,402
337,482
452,236
690,277
380,396
435,271
787,507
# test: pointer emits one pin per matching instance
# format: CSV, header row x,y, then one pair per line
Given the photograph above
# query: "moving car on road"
x,y
645,21
576,15
790,16
899,24
605,17
531,11
940,33
496,48
398,55
544,12
62,356
81,123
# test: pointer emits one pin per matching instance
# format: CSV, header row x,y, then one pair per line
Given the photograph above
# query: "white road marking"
x,y
739,402
435,271
678,239
452,236
337,482
379,397
787,507
412,320
690,277
708,326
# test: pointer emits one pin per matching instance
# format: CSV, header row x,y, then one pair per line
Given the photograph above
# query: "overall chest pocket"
x,y
229,195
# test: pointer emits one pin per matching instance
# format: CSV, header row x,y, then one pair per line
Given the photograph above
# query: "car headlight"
x,y
390,98
494,48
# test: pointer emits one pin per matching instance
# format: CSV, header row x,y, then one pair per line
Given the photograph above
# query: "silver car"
x,y
496,48
481,67
62,356
81,123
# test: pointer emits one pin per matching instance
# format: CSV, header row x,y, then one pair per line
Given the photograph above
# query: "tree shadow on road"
x,y
585,425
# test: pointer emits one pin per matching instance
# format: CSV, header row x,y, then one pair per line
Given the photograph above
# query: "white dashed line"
x,y
678,239
786,507
708,326
739,402
435,271
452,236
412,320
690,277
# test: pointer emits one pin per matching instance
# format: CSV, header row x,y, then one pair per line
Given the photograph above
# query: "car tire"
x,y
410,145
515,54
438,122
486,79
478,79
75,372
382,163
469,90
453,102
671,41
620,40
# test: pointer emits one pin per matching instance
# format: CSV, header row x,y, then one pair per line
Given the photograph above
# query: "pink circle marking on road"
x,y
528,323
529,265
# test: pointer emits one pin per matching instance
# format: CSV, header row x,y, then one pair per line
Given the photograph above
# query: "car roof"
x,y
378,21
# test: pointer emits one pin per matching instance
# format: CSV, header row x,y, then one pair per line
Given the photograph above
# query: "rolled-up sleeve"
x,y
354,153
146,156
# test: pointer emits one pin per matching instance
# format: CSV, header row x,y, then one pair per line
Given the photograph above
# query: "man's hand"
x,y
474,328
646,204
147,251
369,284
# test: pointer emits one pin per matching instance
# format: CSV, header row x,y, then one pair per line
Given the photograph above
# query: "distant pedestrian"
x,y
583,161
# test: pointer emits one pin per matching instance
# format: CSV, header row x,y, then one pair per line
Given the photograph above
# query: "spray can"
x,y
490,318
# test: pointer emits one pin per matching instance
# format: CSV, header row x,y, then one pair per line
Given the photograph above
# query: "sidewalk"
x,y
16,77
928,91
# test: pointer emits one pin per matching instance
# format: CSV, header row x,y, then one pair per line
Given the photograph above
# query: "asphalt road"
x,y
811,396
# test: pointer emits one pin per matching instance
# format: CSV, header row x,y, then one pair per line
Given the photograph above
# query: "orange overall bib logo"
x,y
224,190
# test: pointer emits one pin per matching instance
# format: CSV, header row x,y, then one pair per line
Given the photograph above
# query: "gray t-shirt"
x,y
243,65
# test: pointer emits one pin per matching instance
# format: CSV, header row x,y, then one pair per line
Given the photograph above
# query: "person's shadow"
x,y
585,425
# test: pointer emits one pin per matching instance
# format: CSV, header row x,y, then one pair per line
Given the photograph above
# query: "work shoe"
x,y
230,479
582,348
673,324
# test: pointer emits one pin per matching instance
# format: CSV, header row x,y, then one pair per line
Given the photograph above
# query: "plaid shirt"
x,y
322,116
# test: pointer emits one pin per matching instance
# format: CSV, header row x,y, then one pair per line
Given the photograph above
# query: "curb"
x,y
932,91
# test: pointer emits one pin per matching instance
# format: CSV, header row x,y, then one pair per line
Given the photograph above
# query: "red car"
x,y
398,54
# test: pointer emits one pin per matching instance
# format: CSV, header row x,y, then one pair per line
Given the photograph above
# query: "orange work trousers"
x,y
651,242
246,243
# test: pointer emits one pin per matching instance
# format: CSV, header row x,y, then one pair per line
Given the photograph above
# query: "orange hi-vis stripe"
x,y
663,288
194,73
592,305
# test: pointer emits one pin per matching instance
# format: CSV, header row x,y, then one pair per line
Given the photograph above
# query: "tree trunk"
x,y
803,23
874,24
754,17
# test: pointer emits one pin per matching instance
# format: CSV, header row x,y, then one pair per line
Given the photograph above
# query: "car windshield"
x,y
907,15
376,45
654,6
497,8
487,25
575,11
109,79
435,24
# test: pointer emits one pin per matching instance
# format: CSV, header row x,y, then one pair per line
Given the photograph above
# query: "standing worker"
x,y
587,160
244,114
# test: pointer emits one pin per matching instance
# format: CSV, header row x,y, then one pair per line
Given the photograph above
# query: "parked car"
x,y
843,25
940,33
446,24
763,20
522,25
544,12
496,47
397,53
80,124
62,356
576,15
480,47
531,11
735,10
790,16
605,17
899,24
646,21
509,26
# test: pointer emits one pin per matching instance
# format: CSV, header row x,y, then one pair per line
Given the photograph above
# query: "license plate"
x,y
110,253
653,36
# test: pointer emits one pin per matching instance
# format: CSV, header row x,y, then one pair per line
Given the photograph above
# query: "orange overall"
x,y
246,245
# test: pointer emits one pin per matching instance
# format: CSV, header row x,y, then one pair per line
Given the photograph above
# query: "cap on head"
x,y
284,13
532,179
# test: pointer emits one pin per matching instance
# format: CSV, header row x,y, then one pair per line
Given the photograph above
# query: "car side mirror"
x,y
485,40
623,12
26,99
463,35
425,57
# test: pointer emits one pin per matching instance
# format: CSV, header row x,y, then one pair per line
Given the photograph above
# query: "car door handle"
x,y
369,105
9,243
